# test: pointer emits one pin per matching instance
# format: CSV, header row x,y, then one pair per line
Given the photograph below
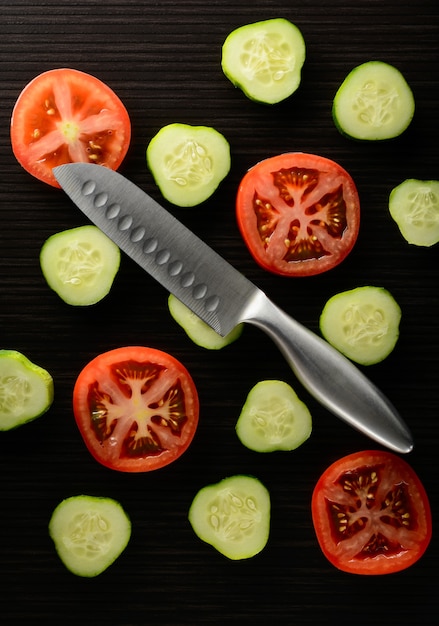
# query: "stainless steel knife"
x,y
221,296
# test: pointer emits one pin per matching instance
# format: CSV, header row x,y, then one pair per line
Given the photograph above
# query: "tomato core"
x,y
70,131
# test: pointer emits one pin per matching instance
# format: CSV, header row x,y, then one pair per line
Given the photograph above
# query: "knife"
x,y
221,296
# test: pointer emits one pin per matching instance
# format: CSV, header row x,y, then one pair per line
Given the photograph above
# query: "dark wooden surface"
x,y
163,60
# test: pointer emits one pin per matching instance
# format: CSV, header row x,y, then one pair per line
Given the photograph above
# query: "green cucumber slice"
x,y
80,264
414,205
265,59
374,102
273,418
197,330
188,162
89,533
26,390
233,516
362,323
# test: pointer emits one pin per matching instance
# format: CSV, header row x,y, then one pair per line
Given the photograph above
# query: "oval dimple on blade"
x,y
165,248
137,234
151,247
113,211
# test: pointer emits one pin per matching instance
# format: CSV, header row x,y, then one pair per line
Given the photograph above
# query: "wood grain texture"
x,y
163,60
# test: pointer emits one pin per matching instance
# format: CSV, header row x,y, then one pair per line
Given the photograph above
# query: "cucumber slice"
x,y
188,162
89,533
374,102
26,390
362,323
414,205
273,418
197,330
80,264
265,59
233,516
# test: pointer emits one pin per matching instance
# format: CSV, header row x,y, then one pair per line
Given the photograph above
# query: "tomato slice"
x,y
136,408
64,116
298,213
371,513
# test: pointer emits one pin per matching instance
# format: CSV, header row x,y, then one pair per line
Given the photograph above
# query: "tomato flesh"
x,y
299,214
371,514
136,408
65,116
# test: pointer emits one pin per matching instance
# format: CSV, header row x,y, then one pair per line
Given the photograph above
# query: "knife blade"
x,y
223,297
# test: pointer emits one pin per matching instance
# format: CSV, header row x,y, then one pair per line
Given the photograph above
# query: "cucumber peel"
x,y
362,323
188,162
233,516
26,390
414,206
197,330
89,533
265,59
374,102
80,264
273,418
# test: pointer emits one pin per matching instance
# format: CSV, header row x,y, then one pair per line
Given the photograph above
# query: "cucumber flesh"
x,y
273,418
265,59
197,330
188,162
233,516
362,323
80,264
89,533
374,102
414,205
26,390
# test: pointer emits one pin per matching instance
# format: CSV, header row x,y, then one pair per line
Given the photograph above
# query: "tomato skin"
x,y
371,513
136,408
63,116
298,213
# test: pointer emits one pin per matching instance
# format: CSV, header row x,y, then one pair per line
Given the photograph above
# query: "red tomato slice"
x,y
136,408
299,214
64,116
371,514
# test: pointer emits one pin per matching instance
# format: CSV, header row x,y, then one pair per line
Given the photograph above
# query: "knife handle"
x,y
330,377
